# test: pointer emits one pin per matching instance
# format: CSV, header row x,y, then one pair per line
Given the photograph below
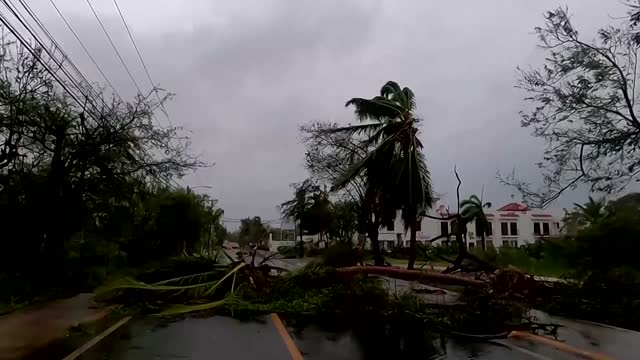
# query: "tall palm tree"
x,y
396,166
472,209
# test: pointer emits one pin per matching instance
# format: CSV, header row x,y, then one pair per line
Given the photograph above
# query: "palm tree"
x,y
297,208
591,212
472,209
396,166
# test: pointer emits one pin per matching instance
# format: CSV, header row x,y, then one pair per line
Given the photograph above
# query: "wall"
x,y
430,228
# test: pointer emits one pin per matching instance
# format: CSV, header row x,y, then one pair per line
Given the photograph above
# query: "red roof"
x,y
514,207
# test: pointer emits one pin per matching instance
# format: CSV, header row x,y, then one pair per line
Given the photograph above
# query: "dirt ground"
x,y
32,328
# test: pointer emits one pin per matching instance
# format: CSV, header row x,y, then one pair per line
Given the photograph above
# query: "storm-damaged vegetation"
x,y
88,199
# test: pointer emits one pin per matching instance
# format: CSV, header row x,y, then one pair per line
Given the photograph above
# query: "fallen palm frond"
x,y
189,279
195,290
185,308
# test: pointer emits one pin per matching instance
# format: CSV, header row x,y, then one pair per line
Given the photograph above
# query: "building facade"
x,y
510,225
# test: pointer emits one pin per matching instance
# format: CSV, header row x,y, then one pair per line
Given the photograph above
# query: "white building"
x,y
511,225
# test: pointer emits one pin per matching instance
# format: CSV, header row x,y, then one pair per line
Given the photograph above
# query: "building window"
x,y
489,229
536,228
471,245
505,243
557,225
444,228
545,229
513,243
504,229
514,228
390,226
419,224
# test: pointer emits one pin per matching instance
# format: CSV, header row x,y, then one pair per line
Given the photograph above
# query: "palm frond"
x,y
183,309
199,278
391,89
197,290
413,187
409,98
370,163
378,108
356,129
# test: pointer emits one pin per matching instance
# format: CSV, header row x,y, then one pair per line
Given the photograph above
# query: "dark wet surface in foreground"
x,y
198,339
226,338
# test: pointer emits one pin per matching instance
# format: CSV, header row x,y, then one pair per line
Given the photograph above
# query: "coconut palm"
x,y
592,211
472,209
396,166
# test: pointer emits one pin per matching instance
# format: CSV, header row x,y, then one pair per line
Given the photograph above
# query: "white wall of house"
x,y
520,229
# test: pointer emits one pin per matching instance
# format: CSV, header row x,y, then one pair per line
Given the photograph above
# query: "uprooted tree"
x,y
584,99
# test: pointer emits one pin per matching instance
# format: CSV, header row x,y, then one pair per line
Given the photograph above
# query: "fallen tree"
x,y
413,275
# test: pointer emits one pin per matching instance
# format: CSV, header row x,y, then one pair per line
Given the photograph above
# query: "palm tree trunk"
x,y
301,242
412,275
412,246
483,241
375,248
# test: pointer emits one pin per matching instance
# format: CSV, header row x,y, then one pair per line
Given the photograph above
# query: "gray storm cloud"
x,y
246,74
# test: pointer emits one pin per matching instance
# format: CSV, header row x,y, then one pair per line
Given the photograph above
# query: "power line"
x,y
144,65
119,56
86,50
65,57
114,47
36,56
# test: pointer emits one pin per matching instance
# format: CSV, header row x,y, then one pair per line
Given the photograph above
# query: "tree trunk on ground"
x,y
412,247
412,275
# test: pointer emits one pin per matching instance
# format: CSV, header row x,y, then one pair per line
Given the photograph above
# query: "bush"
x,y
342,255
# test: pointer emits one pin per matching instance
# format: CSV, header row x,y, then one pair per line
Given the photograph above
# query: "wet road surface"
x,y
216,337
226,338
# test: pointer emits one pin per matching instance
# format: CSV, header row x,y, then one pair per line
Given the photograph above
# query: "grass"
x,y
546,265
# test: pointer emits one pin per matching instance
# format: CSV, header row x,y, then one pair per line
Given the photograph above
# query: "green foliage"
x,y
472,209
342,254
197,286
310,208
84,188
602,254
252,231
344,221
540,259
392,130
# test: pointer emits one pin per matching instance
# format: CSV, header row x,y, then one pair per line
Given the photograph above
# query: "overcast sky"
x,y
247,73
